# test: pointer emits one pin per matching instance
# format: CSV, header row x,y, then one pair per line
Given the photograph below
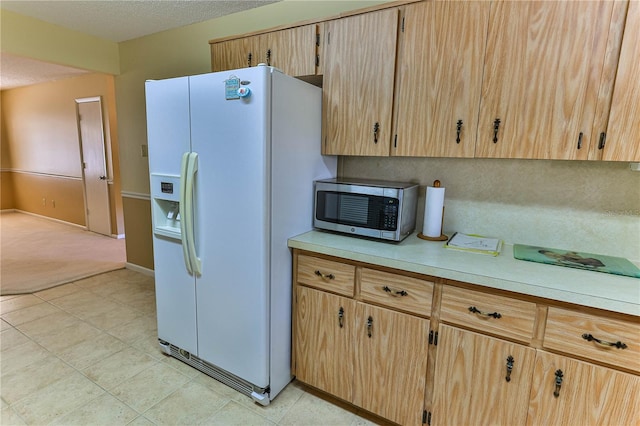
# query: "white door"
x,y
94,168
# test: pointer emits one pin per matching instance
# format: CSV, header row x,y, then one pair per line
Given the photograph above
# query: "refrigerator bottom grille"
x,y
258,394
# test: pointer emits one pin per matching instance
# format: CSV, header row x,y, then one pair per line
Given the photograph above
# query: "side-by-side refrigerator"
x,y
232,160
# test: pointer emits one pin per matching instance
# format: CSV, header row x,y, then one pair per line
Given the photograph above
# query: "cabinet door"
x,y
391,364
324,340
588,394
238,53
542,73
471,385
623,138
440,74
293,50
360,54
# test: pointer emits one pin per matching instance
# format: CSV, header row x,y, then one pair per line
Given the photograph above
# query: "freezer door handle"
x,y
192,169
184,166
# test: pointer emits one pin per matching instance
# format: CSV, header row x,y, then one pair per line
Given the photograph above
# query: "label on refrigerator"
x,y
231,87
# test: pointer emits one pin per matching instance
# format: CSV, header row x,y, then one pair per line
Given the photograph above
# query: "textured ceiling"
x,y
112,20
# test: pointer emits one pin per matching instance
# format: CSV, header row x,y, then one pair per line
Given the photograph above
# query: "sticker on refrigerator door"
x,y
231,87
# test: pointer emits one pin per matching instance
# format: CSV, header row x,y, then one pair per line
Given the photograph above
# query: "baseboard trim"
x,y
47,217
141,269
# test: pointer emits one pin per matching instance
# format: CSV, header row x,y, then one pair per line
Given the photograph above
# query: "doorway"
x,y
94,166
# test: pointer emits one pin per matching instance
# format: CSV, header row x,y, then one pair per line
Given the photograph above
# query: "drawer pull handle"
x,y
475,310
325,276
510,361
394,293
590,338
559,375
369,326
341,317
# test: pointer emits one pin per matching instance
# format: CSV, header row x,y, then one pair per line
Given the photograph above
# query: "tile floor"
x,y
86,353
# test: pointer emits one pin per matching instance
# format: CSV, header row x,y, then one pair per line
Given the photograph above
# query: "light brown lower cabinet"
x,y
366,336
373,357
566,391
480,380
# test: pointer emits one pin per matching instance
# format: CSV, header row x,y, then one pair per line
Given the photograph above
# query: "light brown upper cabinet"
x,y
292,50
542,74
623,137
238,53
358,87
440,76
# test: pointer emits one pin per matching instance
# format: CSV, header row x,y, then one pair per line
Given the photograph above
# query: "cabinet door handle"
x,y
394,293
269,57
475,310
376,129
324,276
369,326
580,136
510,361
559,375
458,130
249,59
496,127
341,317
603,138
590,338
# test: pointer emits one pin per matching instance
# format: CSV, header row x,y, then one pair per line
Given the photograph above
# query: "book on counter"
x,y
474,243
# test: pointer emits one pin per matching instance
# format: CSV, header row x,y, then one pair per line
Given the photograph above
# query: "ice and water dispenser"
x,y
165,195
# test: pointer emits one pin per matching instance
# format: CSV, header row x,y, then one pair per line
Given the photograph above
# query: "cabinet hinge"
x,y
433,338
317,60
402,25
426,417
317,39
395,141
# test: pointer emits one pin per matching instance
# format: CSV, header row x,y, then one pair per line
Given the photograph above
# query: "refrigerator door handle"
x,y
184,166
192,168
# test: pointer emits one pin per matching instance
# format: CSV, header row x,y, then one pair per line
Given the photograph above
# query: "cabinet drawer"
x,y
488,313
396,291
326,274
575,333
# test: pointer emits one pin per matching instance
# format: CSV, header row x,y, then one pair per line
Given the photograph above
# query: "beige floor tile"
x,y
148,343
50,324
86,304
100,280
4,325
133,330
11,338
18,302
234,414
141,421
119,315
9,417
30,313
104,410
117,368
192,404
46,405
59,291
18,384
21,356
279,407
62,339
311,410
149,387
91,351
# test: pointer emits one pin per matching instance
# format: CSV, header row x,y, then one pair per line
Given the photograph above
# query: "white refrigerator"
x,y
232,160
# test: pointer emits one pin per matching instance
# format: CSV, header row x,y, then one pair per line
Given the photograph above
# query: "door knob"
x,y
103,178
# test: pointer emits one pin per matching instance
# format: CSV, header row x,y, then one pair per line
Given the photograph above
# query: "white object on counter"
x,y
433,211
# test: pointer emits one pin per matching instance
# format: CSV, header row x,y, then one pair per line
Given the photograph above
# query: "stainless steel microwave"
x,y
369,208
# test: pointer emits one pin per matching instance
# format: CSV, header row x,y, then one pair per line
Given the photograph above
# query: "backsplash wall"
x,y
576,205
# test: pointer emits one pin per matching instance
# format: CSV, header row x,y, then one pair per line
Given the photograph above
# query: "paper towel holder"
x,y
442,237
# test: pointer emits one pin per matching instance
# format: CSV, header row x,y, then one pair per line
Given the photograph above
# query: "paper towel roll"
x,y
434,203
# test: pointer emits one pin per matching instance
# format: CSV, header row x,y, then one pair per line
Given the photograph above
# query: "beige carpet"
x,y
38,253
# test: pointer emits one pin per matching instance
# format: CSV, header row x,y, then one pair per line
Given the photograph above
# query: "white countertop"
x,y
588,288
